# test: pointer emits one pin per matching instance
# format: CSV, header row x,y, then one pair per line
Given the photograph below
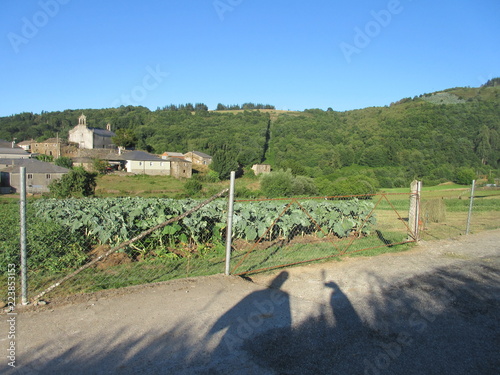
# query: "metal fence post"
x,y
414,212
229,229
24,266
470,206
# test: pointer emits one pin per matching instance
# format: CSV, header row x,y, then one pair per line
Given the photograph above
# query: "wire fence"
x,y
104,244
299,230
446,213
87,245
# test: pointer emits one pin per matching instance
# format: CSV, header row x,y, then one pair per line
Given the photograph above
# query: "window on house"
x,y
140,163
47,176
30,176
150,163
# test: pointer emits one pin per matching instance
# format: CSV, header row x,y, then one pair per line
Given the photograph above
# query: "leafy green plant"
x,y
192,187
77,183
464,176
64,162
50,245
113,220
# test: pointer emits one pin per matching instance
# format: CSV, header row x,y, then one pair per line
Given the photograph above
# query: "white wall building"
x,y
91,138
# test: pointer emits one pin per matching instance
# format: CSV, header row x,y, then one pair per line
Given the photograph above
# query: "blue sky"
x,y
75,54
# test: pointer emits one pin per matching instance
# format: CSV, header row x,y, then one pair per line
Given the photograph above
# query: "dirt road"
x,y
431,310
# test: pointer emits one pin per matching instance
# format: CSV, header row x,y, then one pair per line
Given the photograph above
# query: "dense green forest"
x,y
433,137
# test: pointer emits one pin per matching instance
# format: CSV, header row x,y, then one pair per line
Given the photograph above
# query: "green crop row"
x,y
113,220
62,232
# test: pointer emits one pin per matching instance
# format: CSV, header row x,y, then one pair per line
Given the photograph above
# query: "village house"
x,y
168,154
49,147
25,145
180,168
91,138
199,158
9,150
261,168
38,175
141,162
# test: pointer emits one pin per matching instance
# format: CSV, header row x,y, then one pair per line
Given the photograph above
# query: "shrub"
x,y
277,184
64,162
50,246
192,187
212,176
77,183
302,185
99,166
352,185
464,176
244,192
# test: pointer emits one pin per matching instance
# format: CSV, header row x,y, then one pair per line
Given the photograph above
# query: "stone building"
x,y
261,168
50,147
38,175
91,138
197,157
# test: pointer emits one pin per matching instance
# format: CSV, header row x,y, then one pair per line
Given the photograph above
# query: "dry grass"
x,y
433,211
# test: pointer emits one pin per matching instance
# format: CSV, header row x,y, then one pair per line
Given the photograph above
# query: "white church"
x,y
91,138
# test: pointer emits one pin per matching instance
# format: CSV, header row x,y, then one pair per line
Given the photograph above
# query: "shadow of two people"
x,y
261,325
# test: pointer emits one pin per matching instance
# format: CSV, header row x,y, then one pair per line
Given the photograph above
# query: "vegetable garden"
x,y
65,234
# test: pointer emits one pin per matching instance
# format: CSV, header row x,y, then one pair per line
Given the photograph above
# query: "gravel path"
x,y
431,310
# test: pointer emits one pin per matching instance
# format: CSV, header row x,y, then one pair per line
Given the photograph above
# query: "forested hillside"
x,y
240,133
411,138
432,136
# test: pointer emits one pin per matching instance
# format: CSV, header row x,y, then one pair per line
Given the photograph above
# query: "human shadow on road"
x,y
444,322
312,346
258,312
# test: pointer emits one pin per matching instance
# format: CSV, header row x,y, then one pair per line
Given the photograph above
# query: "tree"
x,y
99,165
464,176
45,158
483,147
352,185
77,183
200,107
277,184
125,138
223,162
64,162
